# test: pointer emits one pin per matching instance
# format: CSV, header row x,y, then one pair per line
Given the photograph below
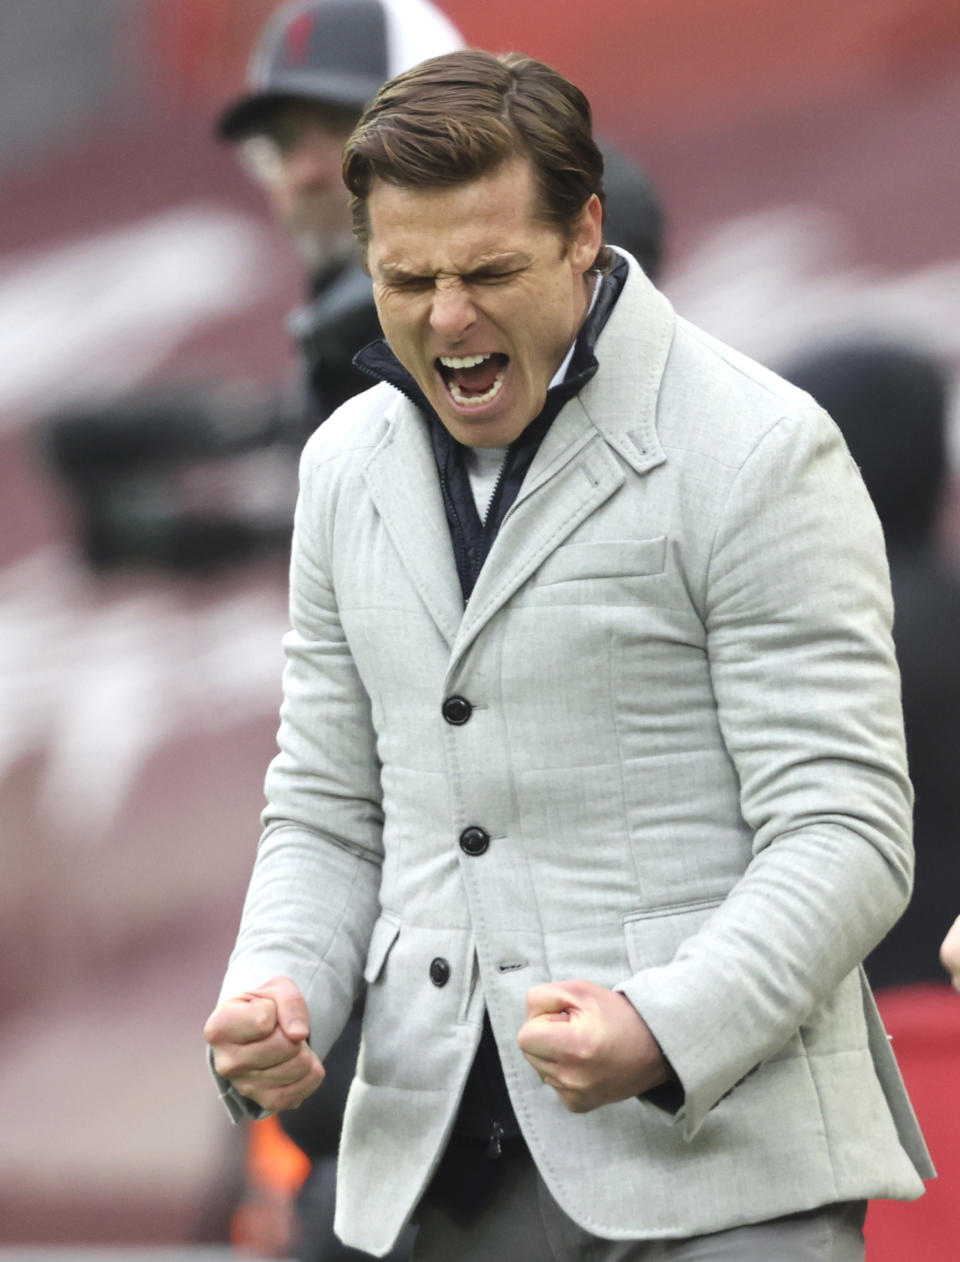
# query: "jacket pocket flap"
x,y
605,558
654,937
385,933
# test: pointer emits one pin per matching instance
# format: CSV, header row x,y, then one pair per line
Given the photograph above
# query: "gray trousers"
x,y
521,1222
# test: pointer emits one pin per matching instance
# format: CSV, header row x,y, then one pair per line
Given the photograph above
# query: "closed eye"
x,y
491,278
412,284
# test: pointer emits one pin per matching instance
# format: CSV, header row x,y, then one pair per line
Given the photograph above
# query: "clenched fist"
x,y
590,1044
259,1042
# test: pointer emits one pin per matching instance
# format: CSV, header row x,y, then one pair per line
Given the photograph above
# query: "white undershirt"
x,y
485,463
483,467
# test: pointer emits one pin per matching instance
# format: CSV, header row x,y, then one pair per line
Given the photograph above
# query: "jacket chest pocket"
x,y
605,558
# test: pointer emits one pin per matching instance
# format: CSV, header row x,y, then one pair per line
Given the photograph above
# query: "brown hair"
x,y
457,117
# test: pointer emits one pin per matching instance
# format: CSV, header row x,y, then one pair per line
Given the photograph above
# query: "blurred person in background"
x,y
890,402
476,529
315,67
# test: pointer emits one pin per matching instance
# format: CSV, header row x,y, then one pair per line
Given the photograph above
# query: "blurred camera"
x,y
187,480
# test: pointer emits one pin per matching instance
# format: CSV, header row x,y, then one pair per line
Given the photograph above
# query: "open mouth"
x,y
473,380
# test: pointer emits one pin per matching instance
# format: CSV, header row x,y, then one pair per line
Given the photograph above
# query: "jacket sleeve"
x,y
798,614
313,894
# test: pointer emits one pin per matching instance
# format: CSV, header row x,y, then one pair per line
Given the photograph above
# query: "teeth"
x,y
474,400
462,361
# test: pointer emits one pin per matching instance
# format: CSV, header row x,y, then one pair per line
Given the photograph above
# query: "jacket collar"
x,y
632,351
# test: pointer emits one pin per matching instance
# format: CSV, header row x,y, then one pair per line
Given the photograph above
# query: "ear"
x,y
587,236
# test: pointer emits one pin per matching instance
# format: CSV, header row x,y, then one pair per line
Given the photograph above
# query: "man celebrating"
x,y
591,759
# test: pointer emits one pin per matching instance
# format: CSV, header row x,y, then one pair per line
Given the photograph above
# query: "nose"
x,y
452,311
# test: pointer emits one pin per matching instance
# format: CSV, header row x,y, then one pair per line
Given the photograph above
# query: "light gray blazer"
x,y
686,748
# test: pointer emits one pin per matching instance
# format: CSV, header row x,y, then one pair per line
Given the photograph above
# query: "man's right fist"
x,y
259,1042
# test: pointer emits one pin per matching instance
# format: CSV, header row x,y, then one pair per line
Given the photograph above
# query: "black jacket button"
x,y
439,971
474,840
457,710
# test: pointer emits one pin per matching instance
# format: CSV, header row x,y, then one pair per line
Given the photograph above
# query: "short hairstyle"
x,y
457,117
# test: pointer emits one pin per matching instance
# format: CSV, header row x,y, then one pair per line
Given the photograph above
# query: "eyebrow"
x,y
488,263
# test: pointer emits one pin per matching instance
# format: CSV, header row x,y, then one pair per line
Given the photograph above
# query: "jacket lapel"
x,y
401,475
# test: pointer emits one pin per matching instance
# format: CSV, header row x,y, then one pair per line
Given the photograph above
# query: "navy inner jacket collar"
x,y
471,537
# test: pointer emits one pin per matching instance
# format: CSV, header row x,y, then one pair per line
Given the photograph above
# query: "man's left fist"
x,y
590,1044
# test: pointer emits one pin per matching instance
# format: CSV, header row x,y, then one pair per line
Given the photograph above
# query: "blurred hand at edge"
x,y
950,953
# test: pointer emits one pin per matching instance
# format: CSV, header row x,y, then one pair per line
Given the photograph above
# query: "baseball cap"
x,y
338,52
